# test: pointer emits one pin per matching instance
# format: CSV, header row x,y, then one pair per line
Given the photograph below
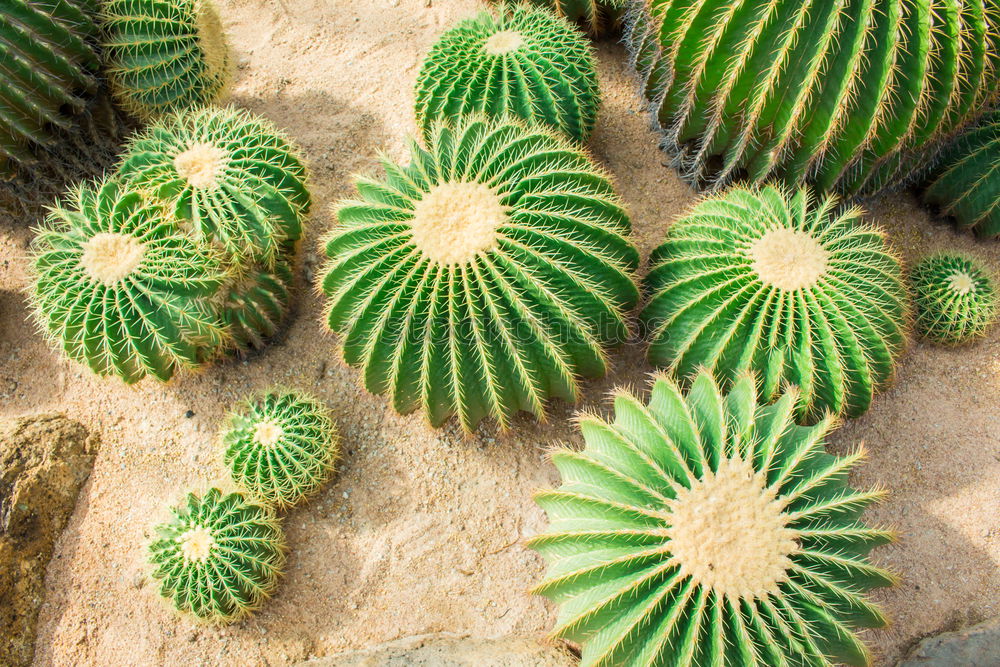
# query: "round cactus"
x,y
707,529
233,177
281,446
165,55
219,557
954,298
525,62
488,274
851,96
120,288
783,285
256,302
598,17
966,183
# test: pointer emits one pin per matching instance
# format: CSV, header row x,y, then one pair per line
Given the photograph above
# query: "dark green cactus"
x,y
255,303
954,298
597,17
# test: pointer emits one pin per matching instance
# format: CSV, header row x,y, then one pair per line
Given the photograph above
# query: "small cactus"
x,y
281,446
256,302
785,286
708,529
954,298
488,274
220,556
524,62
165,55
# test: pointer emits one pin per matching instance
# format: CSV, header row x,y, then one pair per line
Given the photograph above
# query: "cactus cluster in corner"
x,y
782,284
850,96
523,62
954,298
708,529
488,274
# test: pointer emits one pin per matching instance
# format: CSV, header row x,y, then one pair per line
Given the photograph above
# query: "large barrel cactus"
x,y
852,96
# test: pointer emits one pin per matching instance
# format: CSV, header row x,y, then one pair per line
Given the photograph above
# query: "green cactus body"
x,y
220,556
165,55
954,298
47,72
966,183
256,303
229,174
850,96
281,446
707,529
487,275
782,285
524,62
598,17
119,287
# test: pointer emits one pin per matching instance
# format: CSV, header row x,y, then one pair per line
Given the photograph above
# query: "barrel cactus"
x,y
850,96
255,302
708,529
784,285
954,298
598,17
966,183
219,557
280,446
524,62
488,274
165,55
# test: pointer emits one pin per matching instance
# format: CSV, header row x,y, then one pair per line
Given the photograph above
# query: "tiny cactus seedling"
x,y
219,557
233,177
525,62
708,529
256,302
954,298
165,55
119,287
281,446
488,274
597,17
782,285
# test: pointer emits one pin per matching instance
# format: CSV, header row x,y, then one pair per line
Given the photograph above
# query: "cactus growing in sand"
x,y
954,298
524,62
219,557
708,529
785,286
280,446
256,302
488,274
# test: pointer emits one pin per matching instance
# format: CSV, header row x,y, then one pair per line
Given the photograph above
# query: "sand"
x,y
422,530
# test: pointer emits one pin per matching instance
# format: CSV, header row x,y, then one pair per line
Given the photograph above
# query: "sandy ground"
x,y
422,530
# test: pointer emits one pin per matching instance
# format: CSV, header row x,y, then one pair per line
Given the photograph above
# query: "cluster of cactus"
x,y
851,97
708,529
954,298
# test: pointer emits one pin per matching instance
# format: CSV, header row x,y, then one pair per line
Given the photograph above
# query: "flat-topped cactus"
x,y
488,274
784,285
523,62
954,298
708,529
219,557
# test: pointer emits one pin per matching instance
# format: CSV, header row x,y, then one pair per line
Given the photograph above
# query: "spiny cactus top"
x,y
219,558
231,175
598,17
966,183
707,529
483,277
852,96
784,285
165,55
280,446
954,298
48,69
120,288
525,62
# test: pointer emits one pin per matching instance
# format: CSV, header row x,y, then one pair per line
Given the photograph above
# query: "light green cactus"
x,y
708,529
523,62
783,285
488,274
256,302
219,557
281,446
165,55
597,17
851,96
954,298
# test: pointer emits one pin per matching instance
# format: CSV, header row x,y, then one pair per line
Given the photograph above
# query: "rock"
x,y
448,650
44,461
976,646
